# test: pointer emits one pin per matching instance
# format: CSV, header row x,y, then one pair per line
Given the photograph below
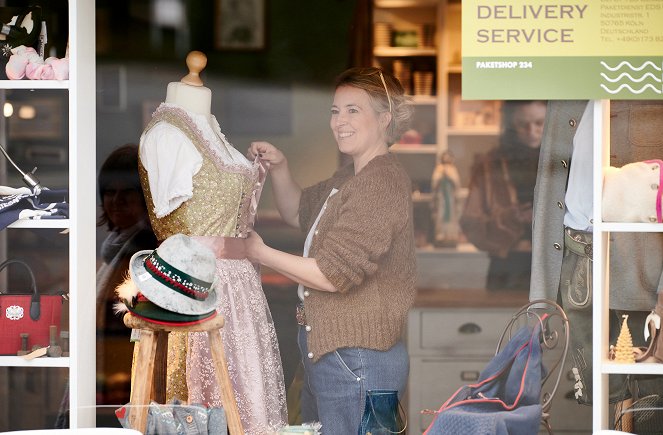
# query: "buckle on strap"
x,y
577,245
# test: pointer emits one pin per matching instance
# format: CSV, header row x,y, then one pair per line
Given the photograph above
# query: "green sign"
x,y
532,49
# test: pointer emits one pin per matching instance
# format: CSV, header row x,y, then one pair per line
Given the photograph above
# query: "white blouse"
x,y
171,159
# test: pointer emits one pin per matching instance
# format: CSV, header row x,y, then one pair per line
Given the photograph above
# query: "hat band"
x,y
175,279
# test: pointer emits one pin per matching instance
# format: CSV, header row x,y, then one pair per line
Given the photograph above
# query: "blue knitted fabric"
x,y
506,400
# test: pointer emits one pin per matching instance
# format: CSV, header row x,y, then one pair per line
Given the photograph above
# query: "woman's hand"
x,y
254,244
267,152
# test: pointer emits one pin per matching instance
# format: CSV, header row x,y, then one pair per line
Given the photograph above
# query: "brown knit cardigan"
x,y
364,245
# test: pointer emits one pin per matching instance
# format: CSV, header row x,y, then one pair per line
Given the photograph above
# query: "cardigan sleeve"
x,y
372,211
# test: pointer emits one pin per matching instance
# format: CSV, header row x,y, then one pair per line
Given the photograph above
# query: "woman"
x,y
497,217
357,275
124,213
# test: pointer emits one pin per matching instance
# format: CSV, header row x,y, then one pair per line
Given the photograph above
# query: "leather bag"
x,y
506,400
28,312
381,414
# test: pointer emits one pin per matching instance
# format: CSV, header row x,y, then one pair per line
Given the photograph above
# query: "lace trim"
x,y
180,118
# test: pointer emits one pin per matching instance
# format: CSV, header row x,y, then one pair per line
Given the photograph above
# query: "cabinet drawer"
x,y
432,382
458,332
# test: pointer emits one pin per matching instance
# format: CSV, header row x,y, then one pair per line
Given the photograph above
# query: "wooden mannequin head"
x,y
195,62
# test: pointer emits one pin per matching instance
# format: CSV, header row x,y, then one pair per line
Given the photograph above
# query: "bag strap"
x,y
35,307
400,409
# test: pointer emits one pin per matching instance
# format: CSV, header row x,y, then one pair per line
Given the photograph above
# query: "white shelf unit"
x,y
81,223
17,361
601,245
46,223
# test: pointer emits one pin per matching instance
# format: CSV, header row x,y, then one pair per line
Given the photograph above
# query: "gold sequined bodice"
x,y
224,193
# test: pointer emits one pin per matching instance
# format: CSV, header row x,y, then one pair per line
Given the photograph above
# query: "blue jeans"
x,y
334,391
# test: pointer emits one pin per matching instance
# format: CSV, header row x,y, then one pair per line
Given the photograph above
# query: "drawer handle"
x,y
469,375
469,328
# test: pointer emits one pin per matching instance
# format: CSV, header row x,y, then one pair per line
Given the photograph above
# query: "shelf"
x,y
419,197
386,4
413,149
622,227
473,131
461,249
455,69
34,84
41,223
404,51
638,368
424,100
17,361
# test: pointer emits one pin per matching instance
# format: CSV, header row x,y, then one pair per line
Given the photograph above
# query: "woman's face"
x,y
528,122
354,122
124,206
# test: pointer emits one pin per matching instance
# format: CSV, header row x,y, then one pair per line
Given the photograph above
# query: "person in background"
x,y
124,214
497,217
357,275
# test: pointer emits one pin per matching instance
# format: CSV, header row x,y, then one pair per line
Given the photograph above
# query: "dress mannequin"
x,y
196,183
189,93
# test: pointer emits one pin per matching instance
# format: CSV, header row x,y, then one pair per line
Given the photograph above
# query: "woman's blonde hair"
x,y
386,94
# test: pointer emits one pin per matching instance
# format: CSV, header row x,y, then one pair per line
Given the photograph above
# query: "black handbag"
x,y
20,26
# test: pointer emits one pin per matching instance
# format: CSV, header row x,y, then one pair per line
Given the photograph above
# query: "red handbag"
x,y
29,313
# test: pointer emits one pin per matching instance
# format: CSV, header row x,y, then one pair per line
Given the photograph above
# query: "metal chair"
x,y
644,416
554,336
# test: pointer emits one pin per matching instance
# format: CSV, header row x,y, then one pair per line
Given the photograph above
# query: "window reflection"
x,y
497,216
124,215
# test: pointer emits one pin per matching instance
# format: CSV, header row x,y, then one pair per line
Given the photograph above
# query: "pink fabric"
x,y
25,62
251,348
659,197
60,67
39,71
15,67
19,60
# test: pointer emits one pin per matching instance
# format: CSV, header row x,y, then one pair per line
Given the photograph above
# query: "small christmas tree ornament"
x,y
624,346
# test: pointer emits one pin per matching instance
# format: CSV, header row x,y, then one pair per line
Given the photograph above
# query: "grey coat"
x,y
636,259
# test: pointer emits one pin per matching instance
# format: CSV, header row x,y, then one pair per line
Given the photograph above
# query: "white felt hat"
x,y
179,276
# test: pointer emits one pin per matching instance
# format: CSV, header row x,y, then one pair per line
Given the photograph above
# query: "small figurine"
x,y
445,185
624,346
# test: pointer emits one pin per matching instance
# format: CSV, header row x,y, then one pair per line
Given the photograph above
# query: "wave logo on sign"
x,y
634,79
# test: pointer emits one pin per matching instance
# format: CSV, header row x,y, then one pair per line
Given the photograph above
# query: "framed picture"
x,y
239,25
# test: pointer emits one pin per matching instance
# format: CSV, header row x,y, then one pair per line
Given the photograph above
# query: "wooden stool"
x,y
140,393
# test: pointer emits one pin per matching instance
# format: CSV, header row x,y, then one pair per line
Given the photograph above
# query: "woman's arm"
x,y
287,192
302,270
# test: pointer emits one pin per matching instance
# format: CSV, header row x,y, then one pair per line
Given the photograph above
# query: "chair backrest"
x,y
554,342
644,416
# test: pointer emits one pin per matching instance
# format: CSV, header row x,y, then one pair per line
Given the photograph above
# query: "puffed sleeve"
x,y
369,218
171,161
